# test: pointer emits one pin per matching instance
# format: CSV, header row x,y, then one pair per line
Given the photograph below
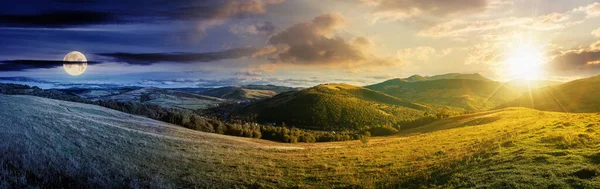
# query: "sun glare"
x,y
524,60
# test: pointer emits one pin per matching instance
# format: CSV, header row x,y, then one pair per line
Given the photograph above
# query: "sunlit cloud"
x,y
547,22
405,9
422,54
591,10
596,32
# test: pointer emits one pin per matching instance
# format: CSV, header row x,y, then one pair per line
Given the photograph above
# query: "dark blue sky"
x,y
300,43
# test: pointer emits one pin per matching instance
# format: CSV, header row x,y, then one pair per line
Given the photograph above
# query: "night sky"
x,y
208,43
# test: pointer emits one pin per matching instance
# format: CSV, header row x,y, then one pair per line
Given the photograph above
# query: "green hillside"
x,y
576,96
336,107
95,147
468,94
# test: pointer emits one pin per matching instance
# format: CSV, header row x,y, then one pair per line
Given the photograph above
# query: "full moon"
x,y
79,65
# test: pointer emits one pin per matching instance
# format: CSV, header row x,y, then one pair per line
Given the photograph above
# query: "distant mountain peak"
x,y
415,78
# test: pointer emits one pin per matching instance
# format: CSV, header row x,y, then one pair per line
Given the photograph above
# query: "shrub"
x,y
290,139
364,139
382,131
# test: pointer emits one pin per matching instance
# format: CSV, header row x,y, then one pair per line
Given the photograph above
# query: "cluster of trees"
x,y
195,121
17,89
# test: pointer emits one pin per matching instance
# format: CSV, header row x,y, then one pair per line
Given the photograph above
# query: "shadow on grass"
x,y
19,169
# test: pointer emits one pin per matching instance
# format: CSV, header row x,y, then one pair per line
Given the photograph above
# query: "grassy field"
x,y
53,143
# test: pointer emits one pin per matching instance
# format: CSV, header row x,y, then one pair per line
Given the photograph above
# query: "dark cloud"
x,y
134,59
66,13
20,65
151,58
308,42
45,84
58,19
577,60
315,43
24,79
266,28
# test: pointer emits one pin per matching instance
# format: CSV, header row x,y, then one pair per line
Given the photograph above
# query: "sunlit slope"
x,y
516,148
468,94
239,93
335,107
50,143
576,96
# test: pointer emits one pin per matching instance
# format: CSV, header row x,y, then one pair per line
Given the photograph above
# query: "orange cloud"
x,y
232,9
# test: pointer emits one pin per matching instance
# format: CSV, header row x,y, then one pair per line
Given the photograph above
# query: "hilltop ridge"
x,y
335,107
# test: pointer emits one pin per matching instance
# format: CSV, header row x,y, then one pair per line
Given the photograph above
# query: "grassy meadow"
x,y
98,147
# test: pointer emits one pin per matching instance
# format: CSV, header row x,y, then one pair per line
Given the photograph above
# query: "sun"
x,y
525,60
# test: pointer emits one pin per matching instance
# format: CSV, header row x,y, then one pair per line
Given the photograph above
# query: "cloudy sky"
x,y
297,42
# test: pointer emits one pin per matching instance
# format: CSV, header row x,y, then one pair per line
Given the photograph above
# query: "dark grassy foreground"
x,y
48,143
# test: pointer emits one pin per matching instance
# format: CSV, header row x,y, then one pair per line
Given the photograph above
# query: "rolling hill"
x,y
248,92
467,94
473,76
335,107
165,98
575,96
97,93
418,78
57,144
